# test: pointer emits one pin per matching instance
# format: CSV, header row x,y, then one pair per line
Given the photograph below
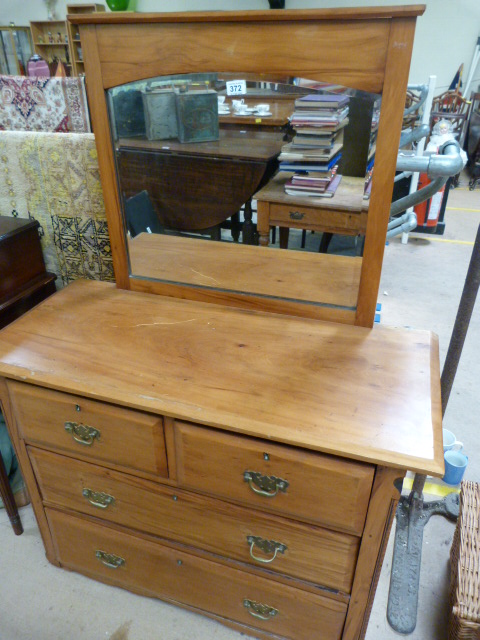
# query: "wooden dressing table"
x,y
241,459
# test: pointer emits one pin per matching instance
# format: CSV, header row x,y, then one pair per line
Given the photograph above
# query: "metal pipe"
x,y
401,176
414,135
397,221
423,88
448,162
409,224
465,309
417,196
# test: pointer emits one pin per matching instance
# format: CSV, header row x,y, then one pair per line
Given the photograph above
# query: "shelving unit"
x,y
74,34
51,41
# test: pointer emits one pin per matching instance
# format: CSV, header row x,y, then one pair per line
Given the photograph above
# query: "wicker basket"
x,y
464,621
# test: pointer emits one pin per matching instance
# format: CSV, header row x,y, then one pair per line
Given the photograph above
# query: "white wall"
x,y
446,34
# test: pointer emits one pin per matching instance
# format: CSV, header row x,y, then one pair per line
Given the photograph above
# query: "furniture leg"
x,y
284,233
248,228
6,494
325,242
263,223
236,226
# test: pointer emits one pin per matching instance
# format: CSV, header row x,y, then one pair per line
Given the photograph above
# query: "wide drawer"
x,y
317,218
302,551
100,431
152,569
274,478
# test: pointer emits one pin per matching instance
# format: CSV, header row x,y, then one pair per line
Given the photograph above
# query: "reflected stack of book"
x,y
320,185
318,121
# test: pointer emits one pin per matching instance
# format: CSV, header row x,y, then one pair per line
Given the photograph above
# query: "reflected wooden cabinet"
x,y
231,458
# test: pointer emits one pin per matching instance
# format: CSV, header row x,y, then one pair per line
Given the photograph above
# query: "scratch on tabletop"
x,y
154,324
202,275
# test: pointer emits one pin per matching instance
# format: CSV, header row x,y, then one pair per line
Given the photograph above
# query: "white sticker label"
x,y
236,87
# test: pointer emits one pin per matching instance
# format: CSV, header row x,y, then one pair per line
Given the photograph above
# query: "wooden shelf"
x,y
73,32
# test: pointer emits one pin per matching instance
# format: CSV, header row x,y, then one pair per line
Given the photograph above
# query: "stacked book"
x,y
315,150
320,185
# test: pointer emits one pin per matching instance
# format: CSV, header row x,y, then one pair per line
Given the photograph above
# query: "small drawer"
x,y
100,431
147,567
274,478
298,550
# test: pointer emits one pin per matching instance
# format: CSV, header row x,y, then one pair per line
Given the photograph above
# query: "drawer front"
x,y
317,218
274,478
124,560
310,553
102,432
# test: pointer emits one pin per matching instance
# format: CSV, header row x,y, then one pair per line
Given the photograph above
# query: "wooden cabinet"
x,y
76,52
208,456
240,459
51,42
15,50
24,281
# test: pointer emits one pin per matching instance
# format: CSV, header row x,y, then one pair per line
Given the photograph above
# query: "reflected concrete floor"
x,y
421,286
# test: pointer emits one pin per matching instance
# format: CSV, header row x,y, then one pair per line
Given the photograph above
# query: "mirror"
x,y
244,184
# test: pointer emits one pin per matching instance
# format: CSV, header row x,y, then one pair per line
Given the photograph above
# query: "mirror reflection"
x,y
243,184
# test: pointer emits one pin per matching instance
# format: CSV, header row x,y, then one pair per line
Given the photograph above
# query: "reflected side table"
x,y
345,213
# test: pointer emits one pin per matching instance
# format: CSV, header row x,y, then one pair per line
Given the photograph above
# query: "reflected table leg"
x,y
248,227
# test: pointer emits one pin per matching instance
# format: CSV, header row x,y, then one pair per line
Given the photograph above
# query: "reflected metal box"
x,y
197,115
159,107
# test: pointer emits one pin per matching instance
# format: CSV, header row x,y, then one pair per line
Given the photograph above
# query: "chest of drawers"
x,y
235,463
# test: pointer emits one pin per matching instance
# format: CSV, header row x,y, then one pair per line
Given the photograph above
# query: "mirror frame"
x,y
364,48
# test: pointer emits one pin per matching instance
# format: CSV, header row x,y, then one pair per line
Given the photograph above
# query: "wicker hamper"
x,y
464,621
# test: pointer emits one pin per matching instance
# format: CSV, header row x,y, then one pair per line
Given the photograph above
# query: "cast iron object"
x,y
412,513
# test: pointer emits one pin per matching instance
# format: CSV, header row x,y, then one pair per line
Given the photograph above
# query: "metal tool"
x,y
412,512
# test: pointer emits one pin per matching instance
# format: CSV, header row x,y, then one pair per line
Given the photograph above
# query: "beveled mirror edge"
x,y
398,42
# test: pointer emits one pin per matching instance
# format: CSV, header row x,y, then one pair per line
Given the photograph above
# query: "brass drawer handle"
x,y
109,559
296,215
267,546
267,486
82,433
98,498
258,610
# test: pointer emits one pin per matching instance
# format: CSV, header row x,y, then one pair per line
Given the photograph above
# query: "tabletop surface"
x,y
249,145
367,394
348,196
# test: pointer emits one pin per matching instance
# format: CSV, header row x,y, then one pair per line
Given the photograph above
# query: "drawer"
x,y
274,478
102,432
305,217
127,561
301,551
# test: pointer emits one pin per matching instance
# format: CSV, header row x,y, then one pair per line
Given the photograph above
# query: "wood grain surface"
x,y
370,395
311,278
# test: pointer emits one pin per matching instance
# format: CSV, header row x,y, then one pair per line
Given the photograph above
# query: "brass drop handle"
x,y
258,610
267,486
98,498
82,433
267,546
109,559
296,215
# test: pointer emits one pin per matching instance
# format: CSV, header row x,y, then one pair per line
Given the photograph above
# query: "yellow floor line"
x,y
451,241
432,488
462,209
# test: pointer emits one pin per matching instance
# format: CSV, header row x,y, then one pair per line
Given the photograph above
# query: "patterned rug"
x,y
53,178
43,104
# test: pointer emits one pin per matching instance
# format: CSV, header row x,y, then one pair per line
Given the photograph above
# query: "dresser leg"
x,y
8,499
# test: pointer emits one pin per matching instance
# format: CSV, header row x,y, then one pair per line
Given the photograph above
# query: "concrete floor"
x,y
421,286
